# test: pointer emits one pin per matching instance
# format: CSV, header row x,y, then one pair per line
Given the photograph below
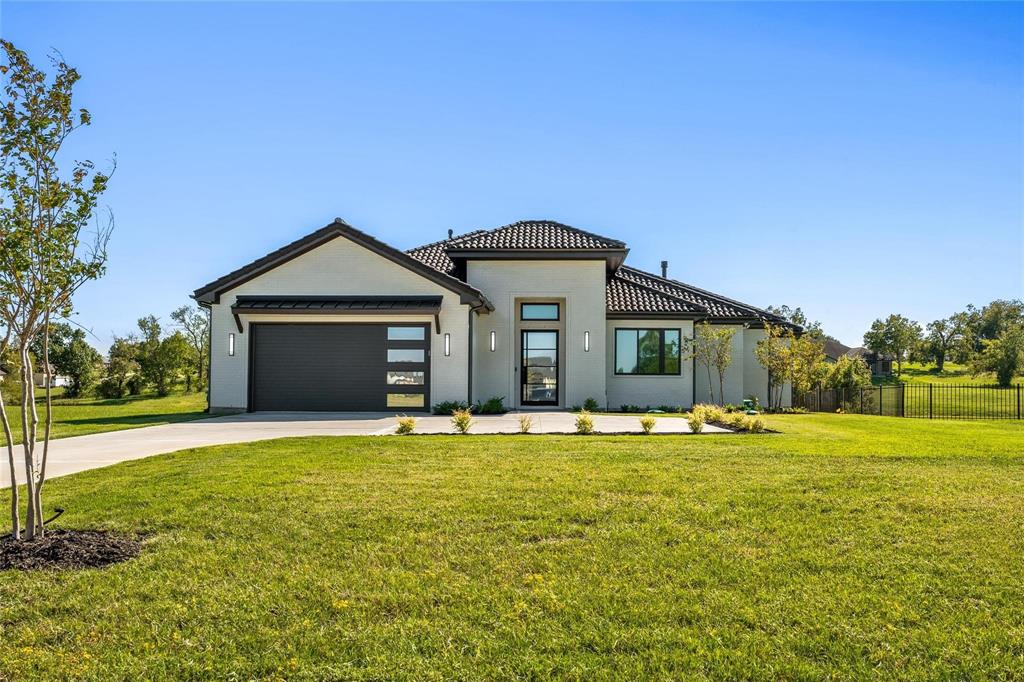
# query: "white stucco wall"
x,y
581,283
338,268
650,391
733,383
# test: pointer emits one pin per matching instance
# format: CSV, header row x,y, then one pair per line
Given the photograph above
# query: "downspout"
x,y
469,360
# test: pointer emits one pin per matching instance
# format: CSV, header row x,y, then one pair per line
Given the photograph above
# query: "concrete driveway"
x,y
71,455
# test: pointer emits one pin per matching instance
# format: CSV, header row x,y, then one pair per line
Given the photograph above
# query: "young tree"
x,y
773,353
70,356
1004,355
45,252
849,371
808,368
712,347
943,335
123,370
195,324
894,335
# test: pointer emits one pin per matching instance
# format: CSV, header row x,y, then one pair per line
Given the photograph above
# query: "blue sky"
x,y
852,159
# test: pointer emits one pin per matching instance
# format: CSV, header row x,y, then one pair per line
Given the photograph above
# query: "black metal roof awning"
x,y
337,305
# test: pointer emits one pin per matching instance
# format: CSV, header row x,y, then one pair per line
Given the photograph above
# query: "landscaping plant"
x,y
712,347
584,423
647,423
46,253
462,420
406,425
525,423
590,405
696,421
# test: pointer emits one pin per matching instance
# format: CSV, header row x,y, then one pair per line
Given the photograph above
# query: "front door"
x,y
539,367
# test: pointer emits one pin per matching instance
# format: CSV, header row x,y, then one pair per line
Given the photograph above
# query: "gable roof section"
x,y
210,293
626,298
435,254
718,307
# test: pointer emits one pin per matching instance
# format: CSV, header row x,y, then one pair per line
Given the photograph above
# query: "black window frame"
x,y
556,318
661,351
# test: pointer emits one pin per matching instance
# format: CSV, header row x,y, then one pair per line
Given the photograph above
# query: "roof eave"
x,y
210,293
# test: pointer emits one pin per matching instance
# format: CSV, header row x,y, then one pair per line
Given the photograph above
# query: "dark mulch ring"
x,y
64,549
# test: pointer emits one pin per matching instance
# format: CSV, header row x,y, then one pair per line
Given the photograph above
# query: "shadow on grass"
x,y
135,419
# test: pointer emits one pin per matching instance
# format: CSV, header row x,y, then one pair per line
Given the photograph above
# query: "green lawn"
x,y
845,547
952,373
79,416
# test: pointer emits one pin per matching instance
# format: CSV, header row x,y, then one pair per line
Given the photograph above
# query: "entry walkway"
x,y
79,453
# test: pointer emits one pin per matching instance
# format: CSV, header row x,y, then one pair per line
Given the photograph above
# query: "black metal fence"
x,y
919,401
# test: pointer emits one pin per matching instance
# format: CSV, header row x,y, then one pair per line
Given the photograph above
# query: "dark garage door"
x,y
339,367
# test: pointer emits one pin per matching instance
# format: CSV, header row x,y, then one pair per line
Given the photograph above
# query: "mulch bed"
x,y
68,549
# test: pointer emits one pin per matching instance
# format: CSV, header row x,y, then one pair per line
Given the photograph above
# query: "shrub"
x,y
665,408
647,423
710,413
462,420
630,408
696,420
575,408
448,406
492,406
584,423
406,425
737,420
525,423
590,405
755,424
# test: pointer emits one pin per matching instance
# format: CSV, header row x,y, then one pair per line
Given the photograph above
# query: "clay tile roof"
x,y
534,234
717,306
625,296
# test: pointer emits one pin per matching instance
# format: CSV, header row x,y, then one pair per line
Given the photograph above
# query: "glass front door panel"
x,y
539,368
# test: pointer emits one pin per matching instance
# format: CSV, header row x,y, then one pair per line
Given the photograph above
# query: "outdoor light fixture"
x,y
586,342
447,345
492,341
231,344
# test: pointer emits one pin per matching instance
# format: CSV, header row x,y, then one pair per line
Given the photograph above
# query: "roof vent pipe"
x,y
450,233
664,269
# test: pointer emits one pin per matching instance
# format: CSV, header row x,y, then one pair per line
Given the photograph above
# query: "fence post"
x,y
1018,401
930,401
879,400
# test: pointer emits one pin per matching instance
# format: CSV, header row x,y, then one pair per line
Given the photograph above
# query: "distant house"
x,y
880,364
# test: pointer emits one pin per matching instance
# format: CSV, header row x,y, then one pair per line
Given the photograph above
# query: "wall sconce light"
x,y
447,345
492,341
586,342
231,344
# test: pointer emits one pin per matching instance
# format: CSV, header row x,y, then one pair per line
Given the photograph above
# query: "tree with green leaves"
x,y
798,317
943,335
773,353
194,322
848,371
124,374
895,335
1003,355
71,356
46,251
712,347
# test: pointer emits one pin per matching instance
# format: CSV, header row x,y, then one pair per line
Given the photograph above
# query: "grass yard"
x,y
846,547
952,373
79,416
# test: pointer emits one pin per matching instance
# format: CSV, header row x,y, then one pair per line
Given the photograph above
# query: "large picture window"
x,y
647,351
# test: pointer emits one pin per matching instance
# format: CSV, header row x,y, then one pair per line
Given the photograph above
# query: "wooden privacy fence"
x,y
919,401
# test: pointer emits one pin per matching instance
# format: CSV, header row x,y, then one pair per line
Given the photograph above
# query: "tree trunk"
x,y
721,388
48,379
940,360
27,440
711,386
15,515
